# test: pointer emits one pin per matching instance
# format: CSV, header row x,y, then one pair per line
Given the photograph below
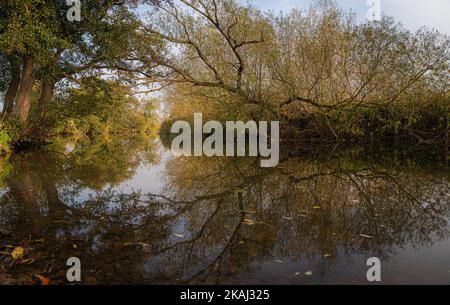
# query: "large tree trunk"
x,y
48,87
23,100
47,92
12,88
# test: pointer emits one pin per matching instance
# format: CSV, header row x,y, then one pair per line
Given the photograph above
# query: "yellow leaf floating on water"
x,y
308,273
317,207
327,255
297,273
18,253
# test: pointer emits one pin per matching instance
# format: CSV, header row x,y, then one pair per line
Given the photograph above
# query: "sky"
x,y
411,13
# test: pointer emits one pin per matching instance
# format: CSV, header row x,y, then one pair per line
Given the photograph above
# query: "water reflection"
x,y
227,221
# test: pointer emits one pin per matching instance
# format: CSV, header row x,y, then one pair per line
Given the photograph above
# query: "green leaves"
x,y
29,27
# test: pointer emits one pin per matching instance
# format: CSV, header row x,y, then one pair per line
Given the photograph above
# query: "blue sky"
x,y
412,13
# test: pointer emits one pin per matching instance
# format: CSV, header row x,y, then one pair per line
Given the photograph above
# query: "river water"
x,y
134,214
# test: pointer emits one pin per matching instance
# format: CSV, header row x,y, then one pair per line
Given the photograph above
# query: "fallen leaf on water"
x,y
44,280
18,253
242,242
287,218
75,246
179,235
278,261
366,236
317,207
327,255
308,273
297,273
304,216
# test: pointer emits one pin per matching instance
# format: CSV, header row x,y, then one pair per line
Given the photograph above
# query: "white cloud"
x,y
417,13
412,13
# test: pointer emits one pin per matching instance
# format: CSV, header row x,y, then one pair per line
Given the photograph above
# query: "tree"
x,y
320,60
27,32
51,48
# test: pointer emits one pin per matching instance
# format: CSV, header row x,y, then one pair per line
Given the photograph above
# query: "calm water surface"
x,y
134,214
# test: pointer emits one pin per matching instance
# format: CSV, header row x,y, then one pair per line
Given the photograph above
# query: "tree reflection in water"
x,y
222,220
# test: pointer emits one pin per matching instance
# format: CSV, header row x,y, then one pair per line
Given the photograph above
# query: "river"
x,y
134,214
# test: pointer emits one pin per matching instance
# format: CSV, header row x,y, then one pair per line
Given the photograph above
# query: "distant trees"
x,y
99,106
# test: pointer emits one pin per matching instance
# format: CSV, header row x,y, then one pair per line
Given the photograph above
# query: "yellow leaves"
x,y
18,256
18,253
317,207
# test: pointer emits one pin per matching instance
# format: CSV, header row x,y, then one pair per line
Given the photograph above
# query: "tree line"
x,y
316,69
